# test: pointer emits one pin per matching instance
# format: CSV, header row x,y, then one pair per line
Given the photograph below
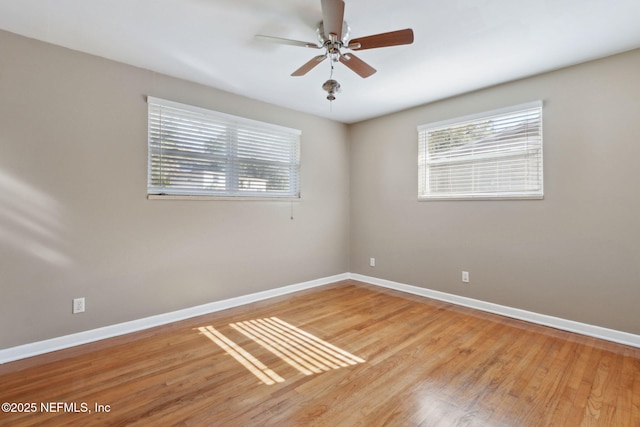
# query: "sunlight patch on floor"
x,y
303,351
245,358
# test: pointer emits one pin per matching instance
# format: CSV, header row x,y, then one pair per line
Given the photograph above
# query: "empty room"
x,y
320,213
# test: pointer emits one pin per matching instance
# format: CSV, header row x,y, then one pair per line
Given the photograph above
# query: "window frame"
x,y
233,125
423,168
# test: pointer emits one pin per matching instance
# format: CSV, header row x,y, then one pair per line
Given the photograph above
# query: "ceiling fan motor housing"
x,y
324,38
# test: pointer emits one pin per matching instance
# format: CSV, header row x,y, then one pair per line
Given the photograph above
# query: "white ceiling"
x,y
460,45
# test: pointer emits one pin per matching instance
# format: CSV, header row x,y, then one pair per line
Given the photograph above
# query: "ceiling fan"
x,y
333,35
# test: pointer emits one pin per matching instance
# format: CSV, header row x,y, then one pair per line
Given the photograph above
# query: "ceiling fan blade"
x,y
333,17
288,41
393,38
357,65
309,65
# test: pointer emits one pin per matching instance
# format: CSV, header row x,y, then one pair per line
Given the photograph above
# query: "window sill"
x,y
473,198
221,198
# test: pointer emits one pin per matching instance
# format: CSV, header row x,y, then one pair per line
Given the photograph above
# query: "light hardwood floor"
x,y
372,357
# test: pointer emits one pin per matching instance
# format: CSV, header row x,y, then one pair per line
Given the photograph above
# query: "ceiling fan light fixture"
x,y
331,87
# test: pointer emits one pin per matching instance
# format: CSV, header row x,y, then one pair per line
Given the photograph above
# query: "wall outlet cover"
x,y
78,305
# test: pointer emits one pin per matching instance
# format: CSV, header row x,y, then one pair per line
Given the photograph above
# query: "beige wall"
x,y
575,254
75,221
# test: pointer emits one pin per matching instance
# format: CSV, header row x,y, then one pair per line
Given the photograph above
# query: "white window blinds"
x,y
199,152
491,155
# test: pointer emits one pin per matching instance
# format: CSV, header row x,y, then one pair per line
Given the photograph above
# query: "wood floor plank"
x,y
425,363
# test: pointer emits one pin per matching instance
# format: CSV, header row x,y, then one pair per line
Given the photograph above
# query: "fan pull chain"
x,y
331,86
331,78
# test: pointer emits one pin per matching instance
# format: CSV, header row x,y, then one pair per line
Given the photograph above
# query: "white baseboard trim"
x,y
33,349
515,313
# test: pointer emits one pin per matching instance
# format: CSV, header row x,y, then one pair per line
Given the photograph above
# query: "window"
x,y
198,152
493,155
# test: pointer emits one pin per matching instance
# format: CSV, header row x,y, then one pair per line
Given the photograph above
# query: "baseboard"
x,y
72,340
529,316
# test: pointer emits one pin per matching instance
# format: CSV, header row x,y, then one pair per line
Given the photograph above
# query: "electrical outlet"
x,y
372,262
465,276
78,305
